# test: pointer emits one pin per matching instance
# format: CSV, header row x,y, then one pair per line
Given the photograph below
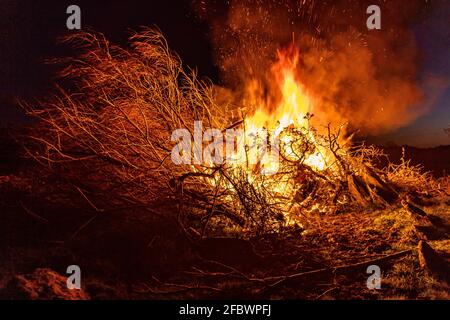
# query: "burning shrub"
x,y
108,133
113,123
411,178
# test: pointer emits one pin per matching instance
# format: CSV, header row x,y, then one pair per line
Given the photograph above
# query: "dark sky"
x,y
433,36
29,29
29,32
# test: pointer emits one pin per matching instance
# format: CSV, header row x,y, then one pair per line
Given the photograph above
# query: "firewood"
x,y
413,210
382,189
417,214
358,190
432,262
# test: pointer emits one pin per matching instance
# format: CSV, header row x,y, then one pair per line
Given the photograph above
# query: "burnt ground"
x,y
134,254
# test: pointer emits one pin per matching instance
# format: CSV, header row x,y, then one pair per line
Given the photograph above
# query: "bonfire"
x,y
109,135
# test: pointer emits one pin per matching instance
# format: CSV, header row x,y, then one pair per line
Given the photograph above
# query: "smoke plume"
x,y
367,78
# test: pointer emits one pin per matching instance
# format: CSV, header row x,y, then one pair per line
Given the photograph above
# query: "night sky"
x,y
29,29
433,36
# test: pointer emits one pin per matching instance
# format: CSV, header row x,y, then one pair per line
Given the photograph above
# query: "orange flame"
x,y
292,108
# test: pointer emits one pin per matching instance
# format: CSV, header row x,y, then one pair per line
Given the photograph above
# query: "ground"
x,y
136,255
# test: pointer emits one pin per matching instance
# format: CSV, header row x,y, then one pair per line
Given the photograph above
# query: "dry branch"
x,y
110,131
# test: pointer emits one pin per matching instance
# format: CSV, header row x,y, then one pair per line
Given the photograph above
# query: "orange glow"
x,y
292,109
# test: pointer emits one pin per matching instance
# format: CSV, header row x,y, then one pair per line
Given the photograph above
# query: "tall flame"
x,y
292,109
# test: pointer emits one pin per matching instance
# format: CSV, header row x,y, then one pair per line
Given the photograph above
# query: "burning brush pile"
x,y
132,128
